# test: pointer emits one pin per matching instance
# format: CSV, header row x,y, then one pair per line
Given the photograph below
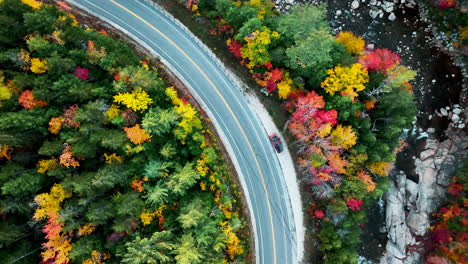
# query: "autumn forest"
x,y
100,157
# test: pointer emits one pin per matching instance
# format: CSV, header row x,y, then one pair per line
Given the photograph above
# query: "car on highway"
x,y
276,142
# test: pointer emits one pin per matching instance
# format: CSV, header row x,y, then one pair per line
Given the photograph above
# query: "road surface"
x,y
241,130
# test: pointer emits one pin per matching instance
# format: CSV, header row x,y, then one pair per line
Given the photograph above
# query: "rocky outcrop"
x,y
409,203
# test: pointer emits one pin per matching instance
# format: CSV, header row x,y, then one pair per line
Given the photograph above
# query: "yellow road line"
x,y
230,110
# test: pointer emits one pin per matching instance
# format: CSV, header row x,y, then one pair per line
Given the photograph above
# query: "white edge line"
x,y
221,134
291,184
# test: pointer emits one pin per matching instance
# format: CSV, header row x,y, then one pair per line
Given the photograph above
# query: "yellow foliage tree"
x,y
148,217
190,118
38,66
256,48
137,135
111,158
189,114
97,258
56,36
113,112
45,165
137,100
324,130
381,168
49,203
32,3
5,92
86,229
264,7
233,245
347,80
343,136
55,124
7,89
25,59
202,168
353,44
285,86
172,94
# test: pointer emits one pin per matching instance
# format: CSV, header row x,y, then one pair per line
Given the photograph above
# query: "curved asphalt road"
x,y
267,196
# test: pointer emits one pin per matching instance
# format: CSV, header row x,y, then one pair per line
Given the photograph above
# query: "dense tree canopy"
x,y
101,162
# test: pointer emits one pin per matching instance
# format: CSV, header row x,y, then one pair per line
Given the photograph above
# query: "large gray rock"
x,y
409,204
411,191
418,223
395,251
426,154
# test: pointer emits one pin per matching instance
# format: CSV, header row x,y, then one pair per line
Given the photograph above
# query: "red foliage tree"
x,y
327,116
354,204
235,48
455,189
290,104
319,213
440,235
444,4
379,60
82,73
268,65
271,85
276,74
437,260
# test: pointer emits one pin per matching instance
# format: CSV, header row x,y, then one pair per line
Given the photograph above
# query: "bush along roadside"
x,y
101,161
348,107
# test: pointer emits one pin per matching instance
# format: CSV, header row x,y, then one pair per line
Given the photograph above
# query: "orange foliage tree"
x,y
137,135
27,100
67,159
69,116
58,244
5,151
